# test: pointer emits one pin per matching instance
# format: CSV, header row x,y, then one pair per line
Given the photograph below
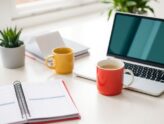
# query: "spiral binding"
x,y
21,99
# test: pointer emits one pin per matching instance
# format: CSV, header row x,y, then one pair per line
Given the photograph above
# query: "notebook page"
x,y
9,109
49,99
48,41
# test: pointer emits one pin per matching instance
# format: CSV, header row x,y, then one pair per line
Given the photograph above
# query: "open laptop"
x,y
139,42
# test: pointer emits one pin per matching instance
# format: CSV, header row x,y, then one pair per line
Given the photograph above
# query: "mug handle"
x,y
49,62
132,79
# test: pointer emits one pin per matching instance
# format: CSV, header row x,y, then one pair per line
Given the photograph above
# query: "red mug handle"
x,y
132,79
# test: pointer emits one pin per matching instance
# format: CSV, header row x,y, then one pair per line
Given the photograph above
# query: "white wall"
x,y
7,15
158,6
6,11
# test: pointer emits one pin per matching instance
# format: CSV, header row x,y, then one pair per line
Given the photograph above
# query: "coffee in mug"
x,y
109,66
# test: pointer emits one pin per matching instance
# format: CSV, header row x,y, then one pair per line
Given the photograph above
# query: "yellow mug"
x,y
61,61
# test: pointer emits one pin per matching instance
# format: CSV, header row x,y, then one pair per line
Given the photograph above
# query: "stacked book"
x,y
41,46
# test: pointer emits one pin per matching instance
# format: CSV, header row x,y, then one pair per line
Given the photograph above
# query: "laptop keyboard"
x,y
146,72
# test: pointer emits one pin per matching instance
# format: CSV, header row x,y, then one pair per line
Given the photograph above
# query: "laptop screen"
x,y
137,38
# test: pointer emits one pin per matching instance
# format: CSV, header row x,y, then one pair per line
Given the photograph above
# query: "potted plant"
x,y
12,49
130,6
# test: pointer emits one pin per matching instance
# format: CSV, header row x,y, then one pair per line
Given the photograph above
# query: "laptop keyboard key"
x,y
145,72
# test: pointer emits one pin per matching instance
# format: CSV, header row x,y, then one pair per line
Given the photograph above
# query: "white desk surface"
x,y
127,108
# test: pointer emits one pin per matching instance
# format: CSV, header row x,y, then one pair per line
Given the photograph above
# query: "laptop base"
x,y
141,85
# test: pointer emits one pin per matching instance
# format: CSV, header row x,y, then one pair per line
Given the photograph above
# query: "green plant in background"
x,y
130,6
10,37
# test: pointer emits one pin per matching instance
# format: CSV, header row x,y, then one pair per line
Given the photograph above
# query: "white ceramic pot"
x,y
13,57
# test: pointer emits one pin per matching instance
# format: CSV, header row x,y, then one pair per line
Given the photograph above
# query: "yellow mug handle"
x,y
50,62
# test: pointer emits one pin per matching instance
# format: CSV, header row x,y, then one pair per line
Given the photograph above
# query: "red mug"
x,y
110,75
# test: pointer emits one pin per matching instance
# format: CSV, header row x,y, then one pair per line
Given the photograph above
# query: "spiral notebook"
x,y
36,102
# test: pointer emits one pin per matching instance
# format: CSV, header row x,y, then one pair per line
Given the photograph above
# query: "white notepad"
x,y
41,46
39,102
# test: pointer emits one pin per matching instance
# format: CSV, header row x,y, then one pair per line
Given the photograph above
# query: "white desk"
x,y
126,108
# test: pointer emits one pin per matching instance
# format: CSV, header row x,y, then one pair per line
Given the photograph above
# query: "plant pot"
x,y
13,57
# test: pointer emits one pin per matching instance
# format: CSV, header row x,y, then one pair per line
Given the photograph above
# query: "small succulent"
x,y
10,37
131,6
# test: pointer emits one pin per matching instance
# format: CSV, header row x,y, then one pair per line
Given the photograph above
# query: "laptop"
x,y
139,42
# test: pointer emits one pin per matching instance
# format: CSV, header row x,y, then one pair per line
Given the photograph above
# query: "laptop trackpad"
x,y
145,86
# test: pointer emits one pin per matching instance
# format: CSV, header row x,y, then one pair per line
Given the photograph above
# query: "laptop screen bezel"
x,y
126,57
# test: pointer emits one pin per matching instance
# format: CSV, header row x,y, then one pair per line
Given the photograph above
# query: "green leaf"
x,y
149,8
20,43
131,3
1,39
4,36
106,1
131,6
109,13
10,37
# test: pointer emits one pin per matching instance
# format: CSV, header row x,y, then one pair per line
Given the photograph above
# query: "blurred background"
x,y
26,13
